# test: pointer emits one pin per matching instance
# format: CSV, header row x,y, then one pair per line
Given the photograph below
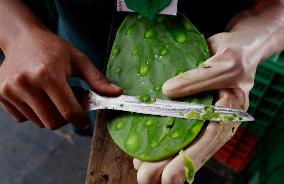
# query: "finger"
x,y
218,72
22,107
233,98
63,98
208,142
197,151
137,163
204,78
150,172
16,114
84,69
42,106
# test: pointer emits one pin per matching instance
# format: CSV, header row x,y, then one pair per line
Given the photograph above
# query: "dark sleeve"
x,y
212,16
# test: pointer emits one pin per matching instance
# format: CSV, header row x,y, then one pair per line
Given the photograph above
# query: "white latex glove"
x,y
253,36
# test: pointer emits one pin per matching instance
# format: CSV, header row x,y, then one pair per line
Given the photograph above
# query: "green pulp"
x,y
188,167
208,113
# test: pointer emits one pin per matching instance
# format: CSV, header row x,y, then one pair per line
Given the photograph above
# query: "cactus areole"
x,y
144,55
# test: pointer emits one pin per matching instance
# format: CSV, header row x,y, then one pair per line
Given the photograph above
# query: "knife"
x,y
94,101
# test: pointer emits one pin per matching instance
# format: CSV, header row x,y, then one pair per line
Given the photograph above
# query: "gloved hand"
x,y
252,37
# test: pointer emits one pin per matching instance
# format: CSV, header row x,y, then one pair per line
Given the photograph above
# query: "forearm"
x,y
15,18
265,25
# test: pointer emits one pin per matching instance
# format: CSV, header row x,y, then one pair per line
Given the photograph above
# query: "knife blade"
x,y
166,108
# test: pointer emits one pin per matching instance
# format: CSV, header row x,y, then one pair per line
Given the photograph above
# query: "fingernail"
x,y
116,87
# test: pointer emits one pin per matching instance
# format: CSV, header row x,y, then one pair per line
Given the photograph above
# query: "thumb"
x,y
84,69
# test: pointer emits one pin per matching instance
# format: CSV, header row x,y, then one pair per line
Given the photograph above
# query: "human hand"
x,y
33,80
223,71
231,71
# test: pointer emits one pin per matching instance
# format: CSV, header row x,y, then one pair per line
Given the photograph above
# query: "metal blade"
x,y
166,108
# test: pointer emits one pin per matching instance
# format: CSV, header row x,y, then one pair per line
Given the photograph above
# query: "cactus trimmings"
x,y
144,55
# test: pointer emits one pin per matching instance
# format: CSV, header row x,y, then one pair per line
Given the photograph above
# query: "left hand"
x,y
224,71
253,37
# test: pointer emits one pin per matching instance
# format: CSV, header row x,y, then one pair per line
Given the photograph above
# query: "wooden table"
x,y
108,164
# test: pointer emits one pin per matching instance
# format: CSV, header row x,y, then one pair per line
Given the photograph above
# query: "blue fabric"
x,y
85,24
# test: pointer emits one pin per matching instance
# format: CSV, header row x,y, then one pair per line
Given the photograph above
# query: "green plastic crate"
x,y
267,95
266,105
267,166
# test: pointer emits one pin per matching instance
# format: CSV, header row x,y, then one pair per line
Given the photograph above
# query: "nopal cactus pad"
x,y
144,55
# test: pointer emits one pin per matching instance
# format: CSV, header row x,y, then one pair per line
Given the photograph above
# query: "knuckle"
x,y
68,113
20,79
233,61
43,74
80,56
233,52
6,90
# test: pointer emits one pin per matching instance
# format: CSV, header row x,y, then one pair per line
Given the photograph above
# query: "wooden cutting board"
x,y
108,164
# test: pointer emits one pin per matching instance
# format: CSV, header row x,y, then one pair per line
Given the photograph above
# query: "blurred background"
x,y
29,155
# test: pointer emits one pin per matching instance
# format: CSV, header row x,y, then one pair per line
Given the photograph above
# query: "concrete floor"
x,y
29,155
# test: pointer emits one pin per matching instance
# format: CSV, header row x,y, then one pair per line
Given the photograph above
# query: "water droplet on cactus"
x,y
143,69
180,38
157,56
118,70
115,51
149,122
142,156
157,88
132,142
164,52
149,34
153,144
195,129
130,31
135,52
175,134
119,125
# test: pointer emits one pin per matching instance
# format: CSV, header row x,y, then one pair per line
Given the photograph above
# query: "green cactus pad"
x,y
144,55
147,8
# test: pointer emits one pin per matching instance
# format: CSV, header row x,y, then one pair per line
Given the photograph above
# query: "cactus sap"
x,y
144,55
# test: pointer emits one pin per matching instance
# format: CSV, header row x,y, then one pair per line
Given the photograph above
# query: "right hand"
x,y
33,80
